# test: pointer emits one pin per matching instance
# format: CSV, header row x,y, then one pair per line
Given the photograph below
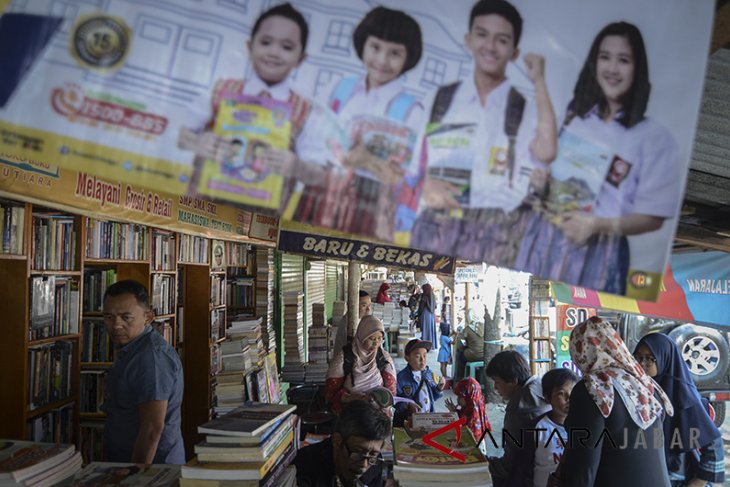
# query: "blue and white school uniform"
x,y
644,178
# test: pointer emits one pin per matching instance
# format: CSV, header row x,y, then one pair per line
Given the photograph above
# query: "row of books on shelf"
x,y
54,307
49,369
163,294
240,292
37,464
92,390
54,242
253,445
164,327
194,249
237,255
217,324
97,345
114,240
96,281
54,426
163,251
264,297
12,225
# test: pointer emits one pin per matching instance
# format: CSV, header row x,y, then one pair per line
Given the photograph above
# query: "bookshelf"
x,y
56,267
541,336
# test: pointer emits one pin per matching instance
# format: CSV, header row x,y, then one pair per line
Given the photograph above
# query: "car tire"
x,y
704,350
719,407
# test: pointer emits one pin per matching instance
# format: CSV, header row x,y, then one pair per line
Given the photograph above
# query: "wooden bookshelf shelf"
x,y
51,406
92,415
94,261
93,314
36,272
53,339
98,365
194,263
13,256
172,273
164,317
217,306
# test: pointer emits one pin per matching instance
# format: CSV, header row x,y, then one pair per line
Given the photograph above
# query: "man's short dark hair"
x,y
503,9
363,294
556,378
509,366
287,11
391,26
129,286
360,418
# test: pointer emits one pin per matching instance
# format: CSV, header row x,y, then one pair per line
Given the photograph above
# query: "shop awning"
x,y
696,289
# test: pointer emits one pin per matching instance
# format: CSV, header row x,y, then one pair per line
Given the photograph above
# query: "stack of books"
x,y
418,464
249,329
251,446
293,370
37,464
318,337
111,474
230,387
12,224
265,295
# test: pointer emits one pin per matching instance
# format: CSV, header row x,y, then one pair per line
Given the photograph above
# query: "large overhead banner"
x,y
549,137
695,289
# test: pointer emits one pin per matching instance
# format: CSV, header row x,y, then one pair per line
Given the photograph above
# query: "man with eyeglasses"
x,y
352,456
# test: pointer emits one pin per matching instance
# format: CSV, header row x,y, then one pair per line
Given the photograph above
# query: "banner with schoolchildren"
x,y
549,137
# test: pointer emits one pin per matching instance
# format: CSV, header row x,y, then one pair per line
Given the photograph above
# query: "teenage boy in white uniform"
x,y
512,136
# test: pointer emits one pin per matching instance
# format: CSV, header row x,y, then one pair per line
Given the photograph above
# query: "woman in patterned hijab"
x,y
615,434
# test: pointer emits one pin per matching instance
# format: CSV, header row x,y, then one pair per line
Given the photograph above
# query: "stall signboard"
x,y
264,227
569,317
695,289
108,199
470,273
183,98
340,248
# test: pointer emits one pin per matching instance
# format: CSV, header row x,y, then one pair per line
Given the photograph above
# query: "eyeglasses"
x,y
645,359
358,457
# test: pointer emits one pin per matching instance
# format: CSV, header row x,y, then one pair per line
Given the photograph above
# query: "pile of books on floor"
x,y
230,386
37,464
317,365
293,369
265,295
253,445
338,319
249,329
388,314
418,464
126,474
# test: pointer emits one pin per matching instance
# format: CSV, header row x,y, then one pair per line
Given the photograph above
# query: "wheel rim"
x,y
701,355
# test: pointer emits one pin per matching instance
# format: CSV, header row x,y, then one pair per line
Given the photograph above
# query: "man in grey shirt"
x,y
365,308
144,387
523,392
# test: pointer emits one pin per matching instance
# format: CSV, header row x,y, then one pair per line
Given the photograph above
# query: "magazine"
x,y
450,150
576,174
253,125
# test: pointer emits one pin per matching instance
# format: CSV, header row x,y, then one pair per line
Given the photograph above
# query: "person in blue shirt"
x,y
417,383
144,387
446,340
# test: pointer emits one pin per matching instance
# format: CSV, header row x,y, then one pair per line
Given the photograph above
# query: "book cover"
x,y
20,460
253,125
127,474
414,453
252,419
431,421
272,377
577,174
43,301
262,386
383,138
450,149
234,453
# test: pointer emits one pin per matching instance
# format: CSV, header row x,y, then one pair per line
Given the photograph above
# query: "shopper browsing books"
x,y
383,296
352,456
692,443
470,405
523,392
144,388
445,340
544,448
619,410
485,140
417,383
637,178
383,123
360,367
277,47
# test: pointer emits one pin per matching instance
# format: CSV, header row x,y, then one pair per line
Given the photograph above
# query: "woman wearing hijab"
x,y
692,442
426,317
382,296
360,367
614,424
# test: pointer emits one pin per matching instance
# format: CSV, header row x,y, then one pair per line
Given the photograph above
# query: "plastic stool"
x,y
471,369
